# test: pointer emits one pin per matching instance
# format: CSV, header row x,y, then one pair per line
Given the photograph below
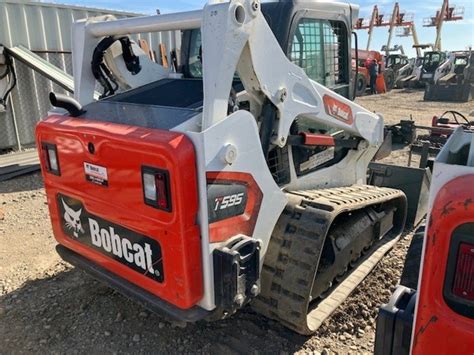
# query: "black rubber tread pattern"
x,y
411,268
292,257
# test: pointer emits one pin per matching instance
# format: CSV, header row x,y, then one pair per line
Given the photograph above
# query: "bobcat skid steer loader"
x,y
196,196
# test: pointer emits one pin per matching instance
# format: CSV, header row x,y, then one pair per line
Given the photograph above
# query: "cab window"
x,y
195,52
319,47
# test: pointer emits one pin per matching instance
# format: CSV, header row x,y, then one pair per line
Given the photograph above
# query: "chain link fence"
x,y
29,101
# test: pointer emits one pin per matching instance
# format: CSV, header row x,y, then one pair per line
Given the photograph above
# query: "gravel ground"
x,y
401,104
48,306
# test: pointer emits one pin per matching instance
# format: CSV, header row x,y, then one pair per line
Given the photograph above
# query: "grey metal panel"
x,y
46,29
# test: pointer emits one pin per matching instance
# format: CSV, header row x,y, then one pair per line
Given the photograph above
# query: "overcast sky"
x,y
455,35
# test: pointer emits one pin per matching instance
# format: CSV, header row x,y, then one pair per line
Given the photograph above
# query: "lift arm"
x,y
373,19
241,29
393,21
415,40
439,25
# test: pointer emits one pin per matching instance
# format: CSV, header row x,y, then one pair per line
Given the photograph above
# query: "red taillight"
x,y
156,189
161,190
463,285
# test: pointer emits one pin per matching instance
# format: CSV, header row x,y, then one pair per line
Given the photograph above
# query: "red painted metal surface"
x,y
318,139
450,124
242,224
438,329
365,57
338,109
123,150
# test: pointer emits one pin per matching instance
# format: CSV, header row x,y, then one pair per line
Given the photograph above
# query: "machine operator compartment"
x,y
122,188
164,104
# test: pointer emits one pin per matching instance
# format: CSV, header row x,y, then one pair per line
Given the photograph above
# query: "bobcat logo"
x,y
73,219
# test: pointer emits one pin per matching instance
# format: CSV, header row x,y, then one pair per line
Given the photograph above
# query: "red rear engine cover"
x,y
107,221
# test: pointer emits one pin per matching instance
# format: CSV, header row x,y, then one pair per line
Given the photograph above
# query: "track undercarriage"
x,y
324,244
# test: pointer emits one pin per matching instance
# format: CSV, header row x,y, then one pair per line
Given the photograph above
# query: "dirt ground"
x,y
48,306
406,103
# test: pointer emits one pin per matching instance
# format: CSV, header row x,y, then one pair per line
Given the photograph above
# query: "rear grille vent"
x,y
278,163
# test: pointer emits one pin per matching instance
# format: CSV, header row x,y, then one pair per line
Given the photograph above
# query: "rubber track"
x,y
293,253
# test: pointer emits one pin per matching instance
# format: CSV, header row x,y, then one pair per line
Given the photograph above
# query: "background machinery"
x,y
410,74
392,62
385,78
435,58
432,310
410,30
396,62
396,19
446,13
404,22
375,20
454,79
399,63
241,179
432,60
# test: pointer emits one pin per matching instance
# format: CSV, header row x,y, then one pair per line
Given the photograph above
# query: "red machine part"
x,y
337,109
124,151
318,139
441,327
243,223
451,120
436,132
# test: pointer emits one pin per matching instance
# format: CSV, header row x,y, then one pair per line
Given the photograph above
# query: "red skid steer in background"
x,y
432,311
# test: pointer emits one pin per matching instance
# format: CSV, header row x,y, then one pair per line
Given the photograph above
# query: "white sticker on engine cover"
x,y
96,174
318,159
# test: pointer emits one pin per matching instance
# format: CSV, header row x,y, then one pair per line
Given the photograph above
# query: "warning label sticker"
x,y
318,159
96,174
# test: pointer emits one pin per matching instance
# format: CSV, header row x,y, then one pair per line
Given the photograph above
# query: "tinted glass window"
x,y
460,61
195,55
195,52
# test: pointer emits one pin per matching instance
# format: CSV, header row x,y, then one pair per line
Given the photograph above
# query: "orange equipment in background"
x,y
363,79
